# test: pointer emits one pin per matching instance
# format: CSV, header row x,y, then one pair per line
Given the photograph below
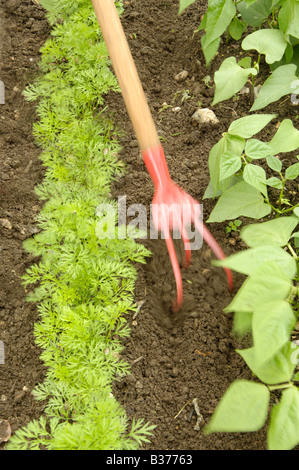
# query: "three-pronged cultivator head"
x,y
175,210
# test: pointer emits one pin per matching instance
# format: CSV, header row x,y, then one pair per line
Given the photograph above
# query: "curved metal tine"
x,y
185,238
210,240
176,269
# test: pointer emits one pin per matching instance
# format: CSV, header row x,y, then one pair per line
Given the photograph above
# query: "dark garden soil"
x,y
175,359
23,30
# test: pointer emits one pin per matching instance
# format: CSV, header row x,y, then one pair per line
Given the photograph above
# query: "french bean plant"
x,y
258,182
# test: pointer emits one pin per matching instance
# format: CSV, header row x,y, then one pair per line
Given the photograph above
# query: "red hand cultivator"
x,y
167,193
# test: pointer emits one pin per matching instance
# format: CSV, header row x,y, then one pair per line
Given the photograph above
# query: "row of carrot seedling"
x,y
83,287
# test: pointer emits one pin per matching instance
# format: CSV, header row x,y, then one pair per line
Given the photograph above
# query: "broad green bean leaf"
x,y
240,200
270,42
296,211
243,408
256,177
286,139
237,28
245,62
209,192
272,325
228,144
184,4
283,432
215,155
219,15
229,165
274,163
229,79
273,232
267,282
294,41
292,172
203,23
255,14
248,126
235,144
296,239
291,55
256,149
247,261
276,86
278,369
289,52
288,18
274,182
295,355
242,323
277,3
209,48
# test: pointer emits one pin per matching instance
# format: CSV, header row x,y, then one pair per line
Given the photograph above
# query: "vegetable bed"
x,y
180,365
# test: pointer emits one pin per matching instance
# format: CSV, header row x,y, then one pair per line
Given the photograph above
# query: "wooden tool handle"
x,y
126,73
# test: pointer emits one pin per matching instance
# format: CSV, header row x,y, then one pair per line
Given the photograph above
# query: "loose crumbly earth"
x,y
23,30
175,359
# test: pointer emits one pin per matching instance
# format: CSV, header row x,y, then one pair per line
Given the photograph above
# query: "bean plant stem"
x,y
282,191
243,156
290,209
292,251
272,207
280,386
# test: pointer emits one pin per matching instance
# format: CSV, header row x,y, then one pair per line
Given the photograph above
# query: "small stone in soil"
x,y
5,430
138,384
6,224
180,77
204,116
174,372
244,91
19,396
